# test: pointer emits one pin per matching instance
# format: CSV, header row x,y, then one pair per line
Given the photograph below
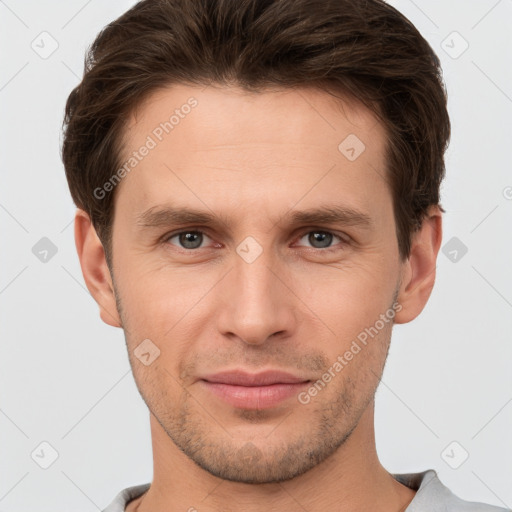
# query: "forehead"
x,y
306,112
275,145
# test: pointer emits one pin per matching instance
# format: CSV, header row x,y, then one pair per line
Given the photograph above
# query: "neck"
x,y
352,479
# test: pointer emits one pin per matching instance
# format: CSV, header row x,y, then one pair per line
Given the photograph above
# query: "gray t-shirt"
x,y
431,496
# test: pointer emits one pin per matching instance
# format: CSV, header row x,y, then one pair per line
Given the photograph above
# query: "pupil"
x,y
191,240
320,236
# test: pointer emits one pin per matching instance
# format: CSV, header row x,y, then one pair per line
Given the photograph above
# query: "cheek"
x,y
153,295
162,305
347,297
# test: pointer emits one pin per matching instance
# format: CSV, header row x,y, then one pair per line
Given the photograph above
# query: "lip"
x,y
254,391
265,378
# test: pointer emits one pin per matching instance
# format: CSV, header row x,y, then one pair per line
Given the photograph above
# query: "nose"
x,y
256,301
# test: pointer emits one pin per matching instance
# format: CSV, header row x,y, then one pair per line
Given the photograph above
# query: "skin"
x,y
251,158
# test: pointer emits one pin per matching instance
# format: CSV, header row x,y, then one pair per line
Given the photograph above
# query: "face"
x,y
226,260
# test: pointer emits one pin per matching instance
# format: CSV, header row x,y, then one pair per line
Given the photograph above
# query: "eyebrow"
x,y
160,216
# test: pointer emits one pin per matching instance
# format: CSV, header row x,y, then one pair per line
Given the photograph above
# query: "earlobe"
x,y
94,268
419,271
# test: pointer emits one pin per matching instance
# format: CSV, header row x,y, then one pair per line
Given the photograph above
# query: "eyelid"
x,y
309,229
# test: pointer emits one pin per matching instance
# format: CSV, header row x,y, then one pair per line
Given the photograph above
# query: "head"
x,y
257,186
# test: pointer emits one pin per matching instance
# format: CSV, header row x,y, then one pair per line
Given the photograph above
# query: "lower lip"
x,y
254,397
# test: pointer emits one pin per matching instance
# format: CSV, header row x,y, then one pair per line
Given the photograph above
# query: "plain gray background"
x,y
446,391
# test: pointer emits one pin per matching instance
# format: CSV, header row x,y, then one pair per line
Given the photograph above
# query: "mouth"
x,y
254,391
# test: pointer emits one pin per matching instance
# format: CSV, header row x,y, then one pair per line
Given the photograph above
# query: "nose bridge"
x,y
259,304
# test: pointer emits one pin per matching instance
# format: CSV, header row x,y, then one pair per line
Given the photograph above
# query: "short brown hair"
x,y
366,50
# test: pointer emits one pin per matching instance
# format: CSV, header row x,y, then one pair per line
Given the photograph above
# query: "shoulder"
x,y
122,499
433,496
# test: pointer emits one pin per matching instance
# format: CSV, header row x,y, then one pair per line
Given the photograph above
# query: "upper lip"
x,y
242,378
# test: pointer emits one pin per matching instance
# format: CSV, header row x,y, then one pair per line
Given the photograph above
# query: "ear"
x,y
419,270
94,268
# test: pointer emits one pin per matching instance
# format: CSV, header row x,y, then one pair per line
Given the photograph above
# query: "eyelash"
x,y
165,239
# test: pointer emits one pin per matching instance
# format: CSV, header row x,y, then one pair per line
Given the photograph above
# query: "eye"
x,y
320,239
187,239
193,239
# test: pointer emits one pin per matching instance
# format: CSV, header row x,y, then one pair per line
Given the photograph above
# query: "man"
x,y
257,186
